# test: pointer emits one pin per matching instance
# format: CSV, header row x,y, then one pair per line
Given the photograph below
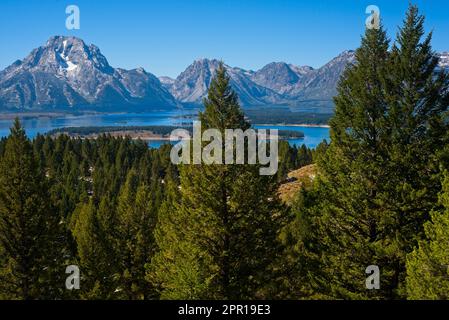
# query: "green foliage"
x,y
175,269
114,237
85,131
28,224
140,227
428,265
136,218
380,175
280,115
95,260
292,158
218,242
65,201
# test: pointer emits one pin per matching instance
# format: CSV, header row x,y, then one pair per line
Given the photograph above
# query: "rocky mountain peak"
x,y
64,55
192,84
65,72
277,76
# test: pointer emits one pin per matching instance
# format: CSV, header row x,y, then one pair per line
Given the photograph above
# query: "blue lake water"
x,y
33,126
313,136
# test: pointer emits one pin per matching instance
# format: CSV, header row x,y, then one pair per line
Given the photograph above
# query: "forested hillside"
x,y
92,203
139,227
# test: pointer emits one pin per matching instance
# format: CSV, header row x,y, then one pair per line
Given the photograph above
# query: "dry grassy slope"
x,y
303,177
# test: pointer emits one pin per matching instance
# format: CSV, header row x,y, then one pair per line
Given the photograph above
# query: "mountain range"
x,y
67,74
276,83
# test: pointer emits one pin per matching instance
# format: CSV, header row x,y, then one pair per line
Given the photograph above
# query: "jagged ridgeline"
x,y
68,74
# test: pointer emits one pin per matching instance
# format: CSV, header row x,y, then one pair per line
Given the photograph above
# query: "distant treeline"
x,y
163,130
286,116
289,134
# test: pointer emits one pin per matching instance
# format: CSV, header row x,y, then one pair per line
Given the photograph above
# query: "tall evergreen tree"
x,y
28,225
379,177
136,219
175,269
229,218
96,262
350,173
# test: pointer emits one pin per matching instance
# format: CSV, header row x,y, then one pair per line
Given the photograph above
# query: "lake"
x,y
312,135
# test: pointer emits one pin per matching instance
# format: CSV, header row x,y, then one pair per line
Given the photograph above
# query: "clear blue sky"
x,y
165,36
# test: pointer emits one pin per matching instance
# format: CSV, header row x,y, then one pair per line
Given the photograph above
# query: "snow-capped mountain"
x,y
191,85
67,73
276,83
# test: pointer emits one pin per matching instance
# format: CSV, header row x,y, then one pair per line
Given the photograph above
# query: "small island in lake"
x,y
146,133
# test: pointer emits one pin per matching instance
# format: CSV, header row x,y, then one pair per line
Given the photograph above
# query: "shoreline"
x,y
55,114
146,135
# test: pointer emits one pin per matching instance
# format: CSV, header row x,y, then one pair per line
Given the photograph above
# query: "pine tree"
x,y
97,264
418,99
379,177
428,265
28,225
346,218
135,247
174,269
228,218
